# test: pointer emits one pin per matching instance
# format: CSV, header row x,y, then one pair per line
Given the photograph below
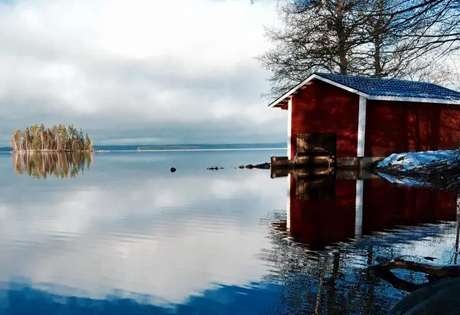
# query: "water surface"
x,y
124,235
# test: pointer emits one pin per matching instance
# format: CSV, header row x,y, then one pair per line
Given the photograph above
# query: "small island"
x,y
56,139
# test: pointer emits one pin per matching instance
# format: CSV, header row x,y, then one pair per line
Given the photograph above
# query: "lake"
x,y
119,233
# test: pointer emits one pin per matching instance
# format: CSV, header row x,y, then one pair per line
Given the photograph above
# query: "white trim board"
x,y
343,87
289,129
283,98
362,126
310,78
292,91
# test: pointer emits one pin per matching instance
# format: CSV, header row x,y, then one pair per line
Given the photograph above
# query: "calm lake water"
x,y
121,234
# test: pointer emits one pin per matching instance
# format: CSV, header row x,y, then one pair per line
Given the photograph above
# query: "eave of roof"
x,y
282,100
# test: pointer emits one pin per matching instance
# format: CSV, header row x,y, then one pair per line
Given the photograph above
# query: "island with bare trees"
x,y
59,138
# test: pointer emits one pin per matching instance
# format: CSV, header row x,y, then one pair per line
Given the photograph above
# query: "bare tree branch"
x,y
380,38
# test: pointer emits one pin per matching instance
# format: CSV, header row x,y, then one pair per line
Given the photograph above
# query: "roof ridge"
x,y
383,79
380,89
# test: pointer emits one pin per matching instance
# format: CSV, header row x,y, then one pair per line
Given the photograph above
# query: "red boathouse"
x,y
369,117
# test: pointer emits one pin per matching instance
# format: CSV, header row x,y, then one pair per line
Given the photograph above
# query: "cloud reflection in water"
x,y
155,239
130,235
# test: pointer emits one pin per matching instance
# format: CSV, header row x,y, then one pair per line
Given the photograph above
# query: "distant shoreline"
x,y
189,150
141,151
181,147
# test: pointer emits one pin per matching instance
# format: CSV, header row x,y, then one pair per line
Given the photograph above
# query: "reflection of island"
x,y
325,211
59,164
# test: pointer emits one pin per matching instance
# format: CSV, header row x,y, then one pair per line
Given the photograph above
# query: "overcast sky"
x,y
138,71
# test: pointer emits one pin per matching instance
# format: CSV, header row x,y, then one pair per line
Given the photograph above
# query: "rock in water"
x,y
173,169
214,168
264,166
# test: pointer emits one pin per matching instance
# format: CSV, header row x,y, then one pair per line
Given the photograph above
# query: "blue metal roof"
x,y
393,87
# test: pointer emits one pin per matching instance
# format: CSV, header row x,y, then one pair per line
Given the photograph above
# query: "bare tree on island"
x,y
58,138
379,38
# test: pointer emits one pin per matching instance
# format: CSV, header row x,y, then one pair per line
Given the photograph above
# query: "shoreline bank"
x,y
435,169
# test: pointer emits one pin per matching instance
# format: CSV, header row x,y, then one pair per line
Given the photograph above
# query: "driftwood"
x,y
432,270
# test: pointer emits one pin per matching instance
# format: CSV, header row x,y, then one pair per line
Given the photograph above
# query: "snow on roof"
x,y
381,89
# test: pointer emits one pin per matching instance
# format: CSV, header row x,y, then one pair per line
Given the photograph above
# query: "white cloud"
x,y
130,64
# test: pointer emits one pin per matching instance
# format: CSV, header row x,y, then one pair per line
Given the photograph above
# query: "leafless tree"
x,y
315,37
380,38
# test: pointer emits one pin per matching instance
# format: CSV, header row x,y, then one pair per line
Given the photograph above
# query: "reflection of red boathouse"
x,y
324,212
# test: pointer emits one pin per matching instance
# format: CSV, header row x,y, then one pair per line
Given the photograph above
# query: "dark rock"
x,y
264,166
214,168
173,169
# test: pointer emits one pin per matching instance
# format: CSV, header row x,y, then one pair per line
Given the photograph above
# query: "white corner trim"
x,y
310,78
341,86
292,91
362,126
283,98
289,128
359,209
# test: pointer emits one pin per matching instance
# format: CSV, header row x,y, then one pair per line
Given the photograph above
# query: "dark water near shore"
x,y
124,235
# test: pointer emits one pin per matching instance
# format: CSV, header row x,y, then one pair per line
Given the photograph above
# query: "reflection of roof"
x,y
381,89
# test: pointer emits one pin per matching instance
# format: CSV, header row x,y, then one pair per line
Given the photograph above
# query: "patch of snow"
x,y
411,160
